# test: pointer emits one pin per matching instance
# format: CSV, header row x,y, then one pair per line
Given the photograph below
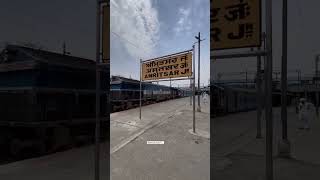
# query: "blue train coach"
x,y
125,93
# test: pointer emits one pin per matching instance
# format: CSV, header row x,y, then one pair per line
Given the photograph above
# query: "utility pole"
x,y
140,92
264,70
259,92
193,91
190,90
316,83
268,97
263,77
284,146
64,48
259,95
97,128
199,40
299,77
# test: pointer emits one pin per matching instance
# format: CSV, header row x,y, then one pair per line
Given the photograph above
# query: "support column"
x,y
317,103
259,93
268,97
284,144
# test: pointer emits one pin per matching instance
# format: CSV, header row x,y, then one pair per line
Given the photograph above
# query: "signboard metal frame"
x,y
191,78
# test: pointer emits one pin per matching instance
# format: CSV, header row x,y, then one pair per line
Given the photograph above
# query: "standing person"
x,y
305,111
302,112
310,114
204,96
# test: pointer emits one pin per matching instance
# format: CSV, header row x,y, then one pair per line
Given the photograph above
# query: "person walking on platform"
x,y
204,97
311,113
305,111
302,112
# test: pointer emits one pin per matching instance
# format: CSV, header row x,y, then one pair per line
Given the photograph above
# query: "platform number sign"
x,y
235,24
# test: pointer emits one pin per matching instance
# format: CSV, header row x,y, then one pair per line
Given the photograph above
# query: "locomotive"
x,y
125,93
47,101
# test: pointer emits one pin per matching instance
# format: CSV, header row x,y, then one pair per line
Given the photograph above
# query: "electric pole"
x,y
199,40
97,123
64,49
316,83
268,95
284,149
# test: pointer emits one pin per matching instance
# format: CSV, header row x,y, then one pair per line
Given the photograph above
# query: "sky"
x,y
50,23
303,41
145,29
172,25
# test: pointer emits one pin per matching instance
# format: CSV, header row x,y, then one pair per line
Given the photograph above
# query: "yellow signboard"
x,y
235,24
169,67
106,33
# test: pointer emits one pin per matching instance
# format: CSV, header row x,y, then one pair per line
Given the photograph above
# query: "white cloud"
x,y
136,24
185,12
184,24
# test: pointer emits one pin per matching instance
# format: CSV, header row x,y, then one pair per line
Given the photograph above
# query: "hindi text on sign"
x,y
169,67
235,23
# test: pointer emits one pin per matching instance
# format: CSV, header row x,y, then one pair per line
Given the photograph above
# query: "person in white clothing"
x,y
305,111
204,97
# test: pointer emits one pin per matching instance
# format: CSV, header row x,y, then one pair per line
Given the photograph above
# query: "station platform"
x,y
238,154
182,156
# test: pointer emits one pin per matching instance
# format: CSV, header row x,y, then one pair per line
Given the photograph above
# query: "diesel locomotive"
x,y
47,101
125,93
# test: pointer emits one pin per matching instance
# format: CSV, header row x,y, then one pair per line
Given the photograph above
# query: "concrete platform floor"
x,y
182,156
239,155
